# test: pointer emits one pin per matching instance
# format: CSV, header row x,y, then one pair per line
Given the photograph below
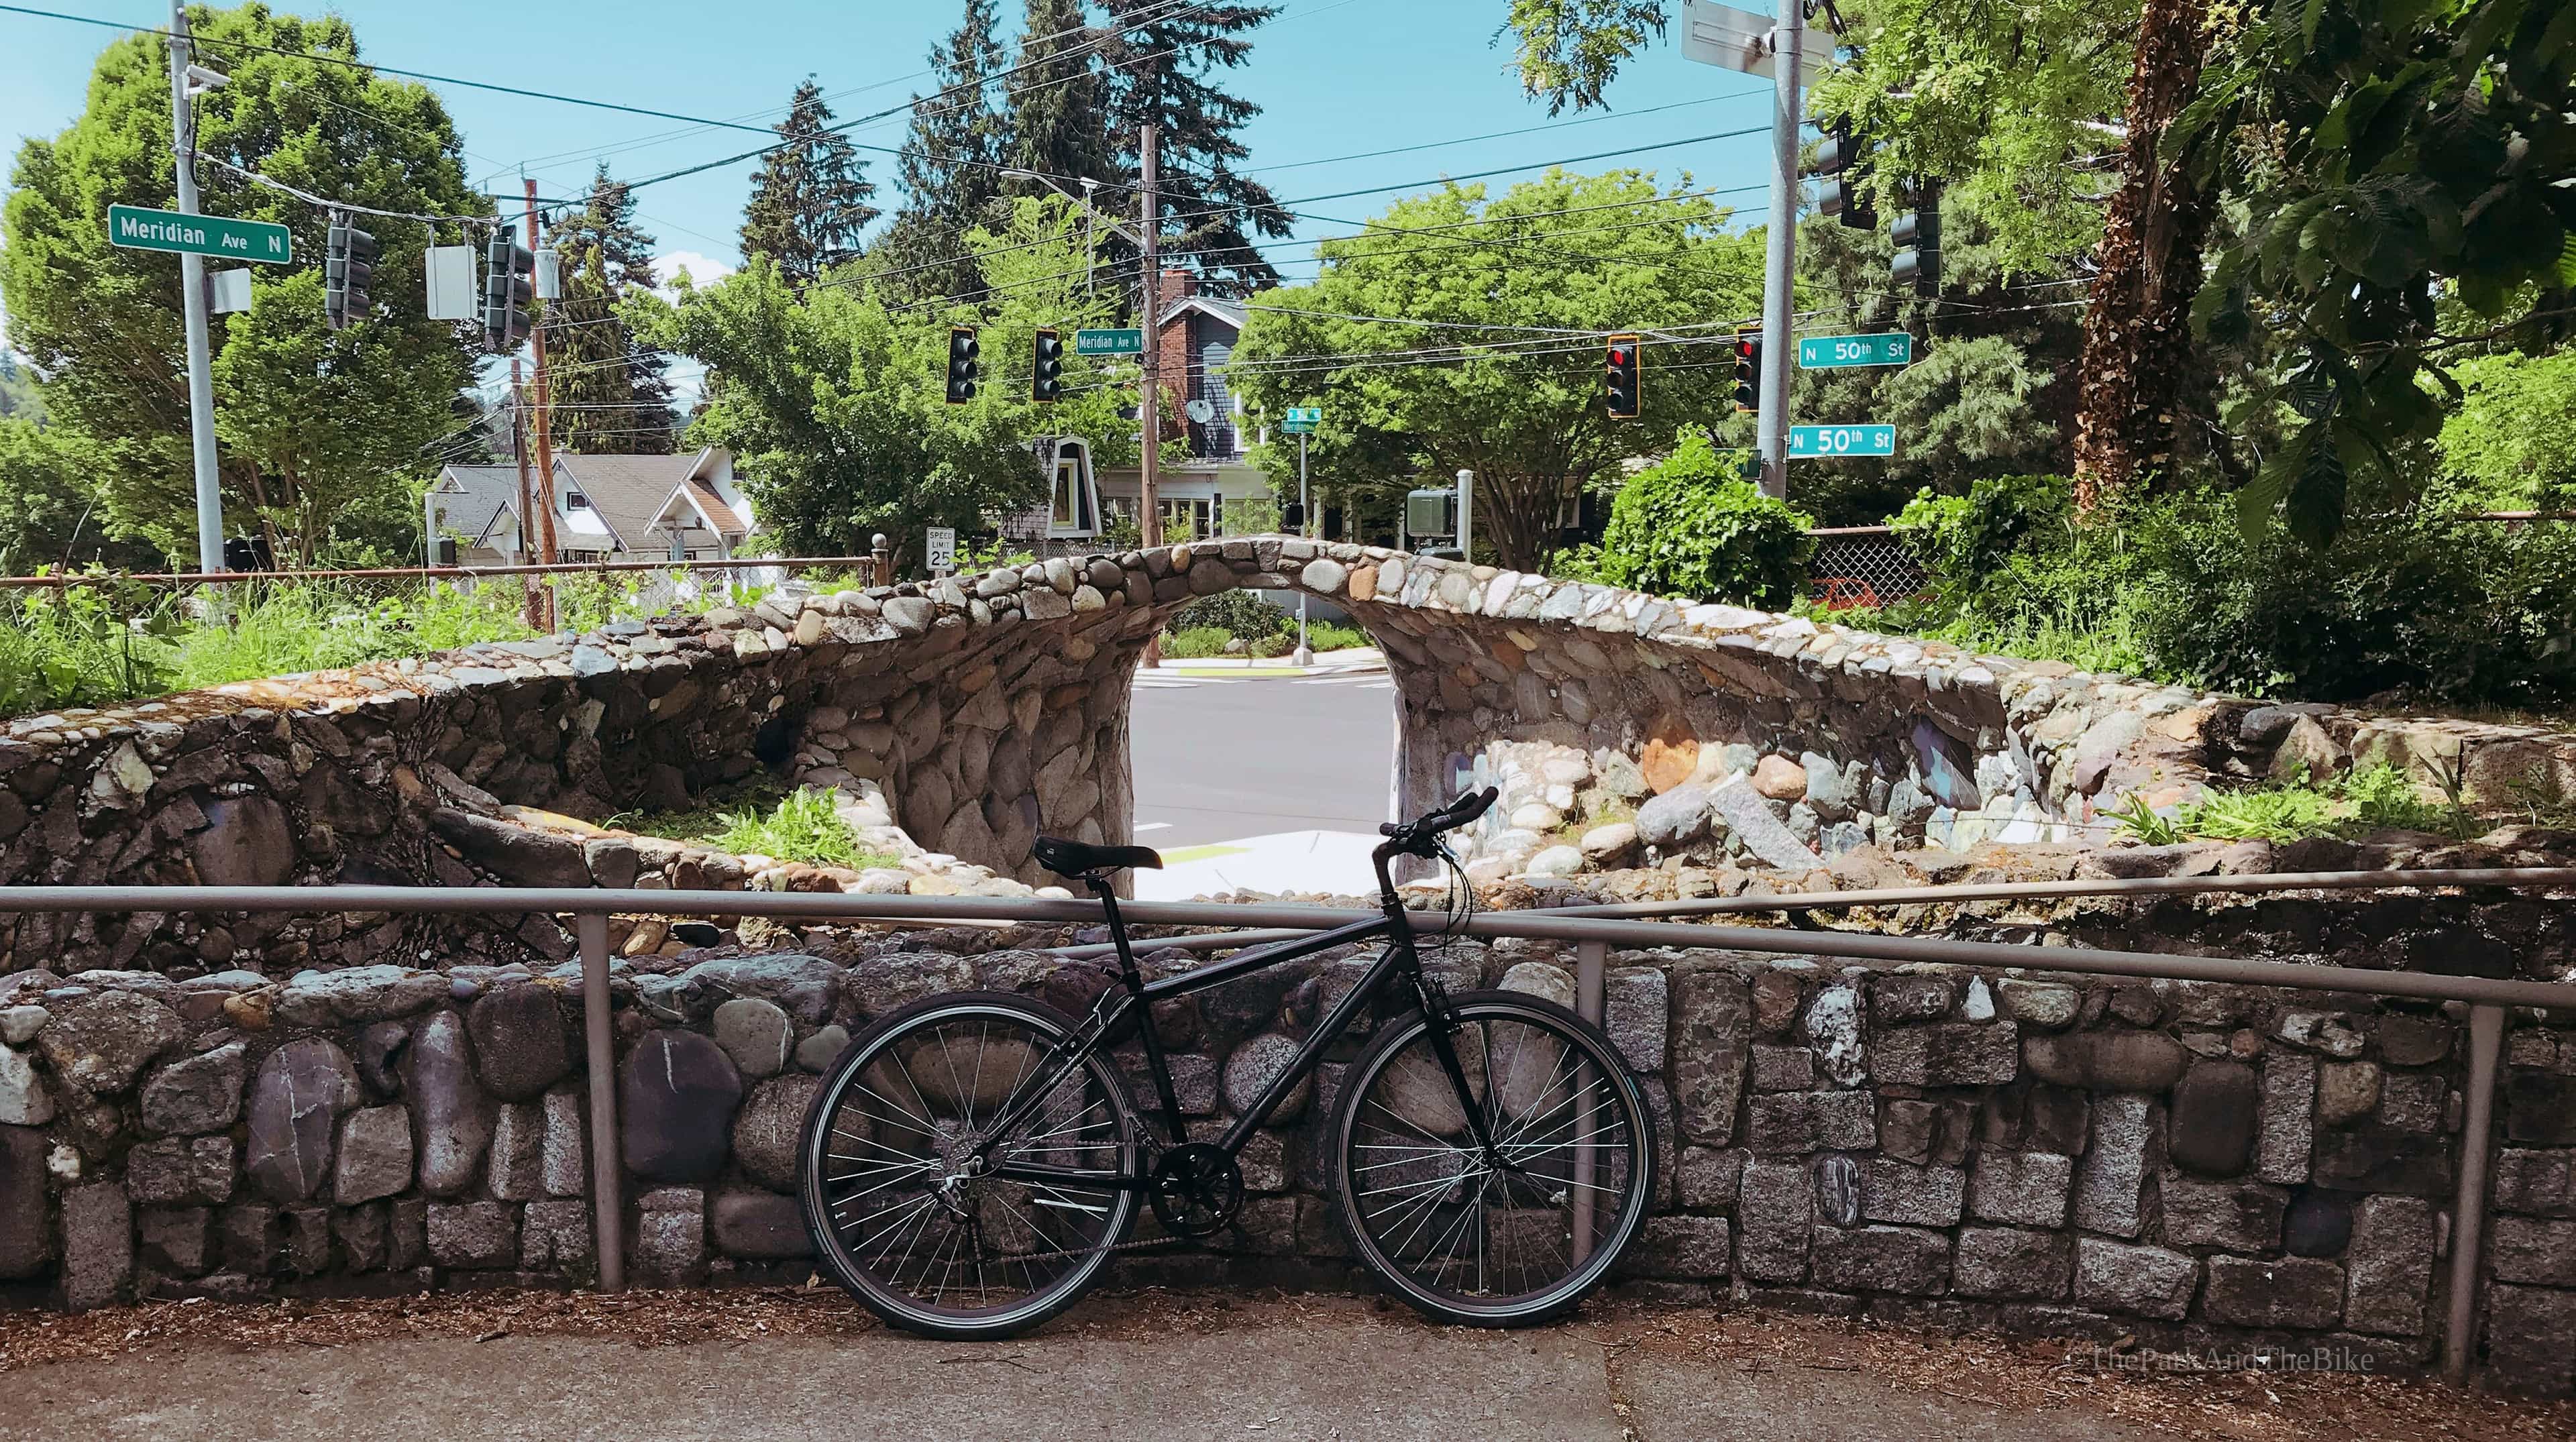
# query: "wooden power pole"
x,y
532,606
545,439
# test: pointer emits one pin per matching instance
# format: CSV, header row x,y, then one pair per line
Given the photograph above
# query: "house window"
x,y
576,501
1072,508
1184,518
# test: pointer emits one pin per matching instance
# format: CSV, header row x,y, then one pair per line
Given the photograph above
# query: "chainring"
x,y
1196,1189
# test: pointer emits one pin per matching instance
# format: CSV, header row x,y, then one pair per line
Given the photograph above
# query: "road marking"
x,y
1202,853
1150,826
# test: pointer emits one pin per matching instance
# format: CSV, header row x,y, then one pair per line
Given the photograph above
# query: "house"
x,y
607,508
1196,338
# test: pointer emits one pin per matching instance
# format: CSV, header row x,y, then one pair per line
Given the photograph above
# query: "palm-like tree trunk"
x,y
2137,330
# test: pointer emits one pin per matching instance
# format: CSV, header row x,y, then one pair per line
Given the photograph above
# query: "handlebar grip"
x,y
1390,828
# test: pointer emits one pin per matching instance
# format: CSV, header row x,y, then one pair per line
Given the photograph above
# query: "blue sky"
x,y
1334,78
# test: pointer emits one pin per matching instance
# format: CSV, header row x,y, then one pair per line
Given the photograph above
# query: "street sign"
x,y
1830,442
136,228
1836,352
942,549
1303,420
1109,342
1733,39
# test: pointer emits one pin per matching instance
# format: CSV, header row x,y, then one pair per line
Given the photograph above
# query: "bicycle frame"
x,y
1139,996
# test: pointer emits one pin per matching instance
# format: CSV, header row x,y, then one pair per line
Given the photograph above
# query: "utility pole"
x,y
1305,527
545,438
530,607
1149,396
1780,256
192,298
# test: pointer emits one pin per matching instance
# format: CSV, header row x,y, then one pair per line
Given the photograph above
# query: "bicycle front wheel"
x,y
1515,1228
900,1193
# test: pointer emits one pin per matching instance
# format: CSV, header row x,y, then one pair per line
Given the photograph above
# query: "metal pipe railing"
x,y
1593,934
66,580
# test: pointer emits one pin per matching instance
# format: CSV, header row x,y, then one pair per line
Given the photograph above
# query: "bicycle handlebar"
x,y
1466,808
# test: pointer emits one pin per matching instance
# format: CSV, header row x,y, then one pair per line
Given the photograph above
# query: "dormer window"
x,y
576,501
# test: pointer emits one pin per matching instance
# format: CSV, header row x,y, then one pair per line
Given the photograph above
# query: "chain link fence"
x,y
1861,568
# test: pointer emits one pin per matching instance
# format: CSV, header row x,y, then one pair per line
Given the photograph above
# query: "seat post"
x,y
1108,895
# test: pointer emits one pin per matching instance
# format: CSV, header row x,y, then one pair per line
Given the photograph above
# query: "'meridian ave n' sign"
x,y
136,228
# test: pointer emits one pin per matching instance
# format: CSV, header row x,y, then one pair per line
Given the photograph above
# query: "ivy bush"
x,y
1691,526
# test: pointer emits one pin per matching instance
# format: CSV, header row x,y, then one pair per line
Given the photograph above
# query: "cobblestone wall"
x,y
2196,1165
957,720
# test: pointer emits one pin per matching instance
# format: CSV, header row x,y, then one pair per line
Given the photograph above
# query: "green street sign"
x,y
1835,352
136,228
1109,342
1832,442
1303,420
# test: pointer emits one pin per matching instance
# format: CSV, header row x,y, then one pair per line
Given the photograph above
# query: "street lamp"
x,y
1131,234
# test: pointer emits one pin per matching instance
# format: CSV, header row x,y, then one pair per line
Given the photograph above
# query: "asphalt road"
x,y
1221,759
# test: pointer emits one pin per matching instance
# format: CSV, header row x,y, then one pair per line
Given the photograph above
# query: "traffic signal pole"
x,y
1780,257
192,299
545,437
1149,396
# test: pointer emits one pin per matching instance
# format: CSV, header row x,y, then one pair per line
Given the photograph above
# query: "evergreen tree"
x,y
952,164
1058,100
810,200
1159,69
613,394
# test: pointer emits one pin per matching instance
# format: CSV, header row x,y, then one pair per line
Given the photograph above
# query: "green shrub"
x,y
1196,642
1333,636
2409,600
1967,536
1580,562
1691,526
1237,613
2372,798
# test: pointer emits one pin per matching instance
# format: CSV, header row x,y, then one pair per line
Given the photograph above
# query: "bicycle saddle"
x,y
1078,858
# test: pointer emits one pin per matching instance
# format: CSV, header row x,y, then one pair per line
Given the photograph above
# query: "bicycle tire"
x,y
827,1118
1636,1167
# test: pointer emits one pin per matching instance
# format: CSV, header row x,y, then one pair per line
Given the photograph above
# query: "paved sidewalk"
x,y
1305,1368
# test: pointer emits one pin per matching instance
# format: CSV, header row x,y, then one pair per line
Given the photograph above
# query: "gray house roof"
x,y
470,500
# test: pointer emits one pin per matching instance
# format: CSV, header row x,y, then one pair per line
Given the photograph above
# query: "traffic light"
x,y
1839,162
961,364
1622,392
1046,366
1748,371
508,286
1917,233
349,260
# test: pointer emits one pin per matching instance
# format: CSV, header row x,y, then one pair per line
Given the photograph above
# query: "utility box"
x,y
1431,513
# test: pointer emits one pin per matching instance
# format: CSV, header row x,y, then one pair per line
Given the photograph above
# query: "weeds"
x,y
802,827
2372,798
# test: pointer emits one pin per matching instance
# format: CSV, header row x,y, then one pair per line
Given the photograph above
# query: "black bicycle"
x,y
973,1160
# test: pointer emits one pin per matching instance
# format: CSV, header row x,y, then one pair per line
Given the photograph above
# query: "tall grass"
x,y
98,645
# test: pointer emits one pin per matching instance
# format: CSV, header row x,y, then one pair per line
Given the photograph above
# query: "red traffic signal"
x,y
1748,371
1621,391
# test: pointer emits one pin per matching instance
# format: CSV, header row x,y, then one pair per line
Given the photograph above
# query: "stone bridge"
x,y
960,718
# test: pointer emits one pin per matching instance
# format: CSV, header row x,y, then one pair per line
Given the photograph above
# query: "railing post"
x,y
2469,1208
883,555
607,1168
1591,961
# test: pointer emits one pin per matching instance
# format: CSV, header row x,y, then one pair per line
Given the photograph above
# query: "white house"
x,y
685,507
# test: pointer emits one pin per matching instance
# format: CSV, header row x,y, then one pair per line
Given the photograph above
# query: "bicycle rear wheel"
x,y
902,1213
1512,1235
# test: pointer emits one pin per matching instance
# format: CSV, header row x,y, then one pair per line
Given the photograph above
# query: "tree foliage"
x,y
103,325
809,203
1161,68
1498,284
611,394
2386,150
833,404
2510,445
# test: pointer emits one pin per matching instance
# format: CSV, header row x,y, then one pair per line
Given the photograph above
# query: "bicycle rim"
x,y
1518,1235
895,1218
